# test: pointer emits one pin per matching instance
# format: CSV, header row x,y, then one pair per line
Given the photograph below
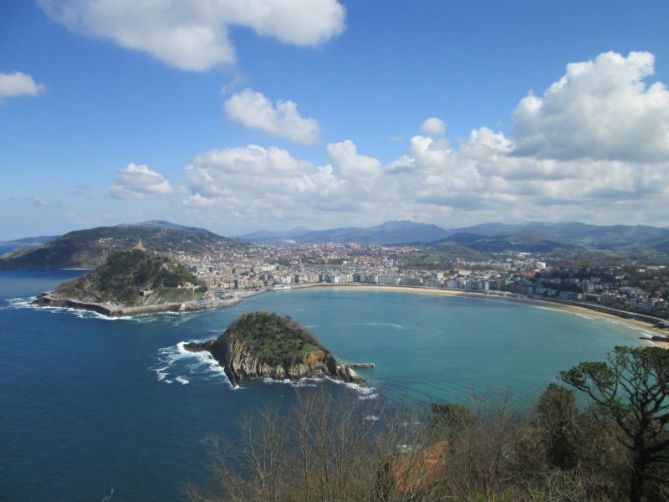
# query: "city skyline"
x,y
330,114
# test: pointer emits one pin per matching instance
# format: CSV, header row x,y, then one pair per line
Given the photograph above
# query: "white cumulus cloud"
x,y
600,109
351,165
546,170
193,35
283,120
434,127
253,180
137,181
17,84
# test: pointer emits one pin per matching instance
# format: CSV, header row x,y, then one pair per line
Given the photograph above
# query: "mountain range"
x,y
388,233
488,237
89,248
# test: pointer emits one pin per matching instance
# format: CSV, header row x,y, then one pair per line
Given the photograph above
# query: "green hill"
x,y
90,248
264,345
273,338
133,279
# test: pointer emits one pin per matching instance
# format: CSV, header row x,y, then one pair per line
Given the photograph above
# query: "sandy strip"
x,y
573,309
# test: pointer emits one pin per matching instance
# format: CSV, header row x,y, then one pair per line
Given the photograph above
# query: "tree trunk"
x,y
637,479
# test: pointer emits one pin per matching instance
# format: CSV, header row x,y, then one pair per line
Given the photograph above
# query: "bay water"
x,y
88,404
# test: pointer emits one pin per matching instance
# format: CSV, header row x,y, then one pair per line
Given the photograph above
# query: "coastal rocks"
x,y
47,300
262,345
51,299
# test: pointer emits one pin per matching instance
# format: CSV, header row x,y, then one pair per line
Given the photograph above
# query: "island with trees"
x,y
268,345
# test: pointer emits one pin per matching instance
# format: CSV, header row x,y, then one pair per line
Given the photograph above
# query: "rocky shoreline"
x,y
240,364
49,300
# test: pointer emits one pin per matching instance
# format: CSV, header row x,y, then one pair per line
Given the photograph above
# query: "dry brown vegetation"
x,y
345,449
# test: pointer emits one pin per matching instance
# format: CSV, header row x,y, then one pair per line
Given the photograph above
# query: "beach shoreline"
x,y
642,326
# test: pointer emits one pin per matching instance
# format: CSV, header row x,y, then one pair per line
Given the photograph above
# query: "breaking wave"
x,y
176,364
27,303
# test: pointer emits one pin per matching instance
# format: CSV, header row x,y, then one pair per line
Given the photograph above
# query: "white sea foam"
x,y
363,391
385,325
27,303
175,318
647,341
377,324
176,364
547,308
89,314
19,303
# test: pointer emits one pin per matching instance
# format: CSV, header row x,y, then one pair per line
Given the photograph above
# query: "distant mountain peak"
x,y
387,233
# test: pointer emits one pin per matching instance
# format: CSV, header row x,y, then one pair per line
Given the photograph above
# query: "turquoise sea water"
x,y
88,403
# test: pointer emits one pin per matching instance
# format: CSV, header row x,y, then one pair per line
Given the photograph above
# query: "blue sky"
x,y
115,112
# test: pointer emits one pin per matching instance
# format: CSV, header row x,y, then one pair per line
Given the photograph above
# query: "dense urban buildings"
x,y
638,288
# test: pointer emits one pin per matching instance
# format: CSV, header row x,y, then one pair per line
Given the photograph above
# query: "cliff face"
x,y
254,355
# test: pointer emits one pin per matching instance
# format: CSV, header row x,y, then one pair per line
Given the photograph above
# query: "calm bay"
x,y
88,403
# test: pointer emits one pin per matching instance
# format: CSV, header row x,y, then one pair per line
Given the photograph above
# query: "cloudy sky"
x,y
239,115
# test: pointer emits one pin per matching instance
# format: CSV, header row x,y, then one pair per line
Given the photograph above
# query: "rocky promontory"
x,y
267,345
129,283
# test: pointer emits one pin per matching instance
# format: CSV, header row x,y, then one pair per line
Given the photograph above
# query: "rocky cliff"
x,y
271,346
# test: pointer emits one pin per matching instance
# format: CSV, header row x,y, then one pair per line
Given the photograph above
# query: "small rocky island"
x,y
267,345
129,283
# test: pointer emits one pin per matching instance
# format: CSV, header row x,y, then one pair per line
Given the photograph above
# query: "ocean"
x,y
89,404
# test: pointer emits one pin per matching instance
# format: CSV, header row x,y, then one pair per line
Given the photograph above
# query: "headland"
x,y
133,283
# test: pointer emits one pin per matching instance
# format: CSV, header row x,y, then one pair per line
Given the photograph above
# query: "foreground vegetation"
x,y
617,448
